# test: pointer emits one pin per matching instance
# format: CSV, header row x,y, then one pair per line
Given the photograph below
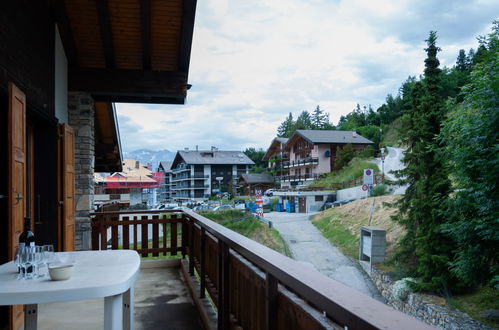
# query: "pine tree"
x,y
287,127
319,118
421,208
461,62
303,121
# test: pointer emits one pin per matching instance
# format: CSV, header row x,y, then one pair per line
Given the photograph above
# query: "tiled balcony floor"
x,y
162,301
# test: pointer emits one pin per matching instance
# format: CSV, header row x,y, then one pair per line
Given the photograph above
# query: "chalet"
x,y
313,152
197,174
249,183
276,156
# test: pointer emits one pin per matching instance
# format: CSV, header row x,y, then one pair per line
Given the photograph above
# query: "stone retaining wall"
x,y
419,306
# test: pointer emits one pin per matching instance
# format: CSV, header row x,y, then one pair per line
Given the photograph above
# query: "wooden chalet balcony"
x,y
301,162
250,286
296,178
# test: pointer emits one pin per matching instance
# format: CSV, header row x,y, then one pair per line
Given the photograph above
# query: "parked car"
x,y
166,206
203,207
223,207
269,192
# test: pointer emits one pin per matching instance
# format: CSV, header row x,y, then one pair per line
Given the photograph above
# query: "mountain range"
x,y
146,156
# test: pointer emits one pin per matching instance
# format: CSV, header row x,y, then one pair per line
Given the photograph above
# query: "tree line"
x,y
448,120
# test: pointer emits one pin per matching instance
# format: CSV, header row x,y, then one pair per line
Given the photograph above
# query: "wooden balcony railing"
x,y
251,286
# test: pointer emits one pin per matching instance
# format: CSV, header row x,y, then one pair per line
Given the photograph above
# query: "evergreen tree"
x,y
303,121
319,118
461,62
471,137
287,127
421,208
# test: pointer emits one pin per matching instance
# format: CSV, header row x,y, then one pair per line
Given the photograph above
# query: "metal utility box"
x,y
372,244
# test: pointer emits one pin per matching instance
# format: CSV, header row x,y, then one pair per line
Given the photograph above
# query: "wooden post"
x,y
144,241
270,301
191,247
185,237
155,235
223,286
202,253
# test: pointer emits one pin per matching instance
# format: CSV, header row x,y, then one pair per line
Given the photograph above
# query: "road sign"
x,y
365,187
368,176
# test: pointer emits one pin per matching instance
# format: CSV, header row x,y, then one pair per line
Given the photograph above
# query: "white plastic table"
x,y
108,274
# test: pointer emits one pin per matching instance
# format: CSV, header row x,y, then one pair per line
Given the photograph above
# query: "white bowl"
x,y
60,272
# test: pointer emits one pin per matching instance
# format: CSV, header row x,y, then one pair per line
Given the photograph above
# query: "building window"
x,y
319,198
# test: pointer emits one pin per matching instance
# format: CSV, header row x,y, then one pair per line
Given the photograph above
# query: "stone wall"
x,y
423,307
82,119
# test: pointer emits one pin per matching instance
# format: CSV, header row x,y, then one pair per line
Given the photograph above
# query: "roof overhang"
x,y
127,50
274,147
108,156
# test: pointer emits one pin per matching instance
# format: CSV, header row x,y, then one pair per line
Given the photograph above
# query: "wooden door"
x,y
16,180
67,187
302,205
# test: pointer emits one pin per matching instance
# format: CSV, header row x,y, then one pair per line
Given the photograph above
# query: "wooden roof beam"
x,y
188,16
118,85
105,32
145,27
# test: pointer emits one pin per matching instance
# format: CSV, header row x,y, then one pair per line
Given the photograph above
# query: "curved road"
x,y
393,162
313,250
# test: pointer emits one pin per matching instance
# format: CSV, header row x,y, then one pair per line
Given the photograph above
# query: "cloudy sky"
x,y
255,61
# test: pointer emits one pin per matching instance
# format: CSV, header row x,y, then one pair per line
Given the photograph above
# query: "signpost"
x,y
259,203
368,180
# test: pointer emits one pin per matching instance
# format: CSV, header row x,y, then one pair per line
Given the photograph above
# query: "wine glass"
x,y
48,254
26,257
17,260
37,260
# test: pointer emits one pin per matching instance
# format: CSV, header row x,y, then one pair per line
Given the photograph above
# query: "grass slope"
x,y
354,169
250,227
341,225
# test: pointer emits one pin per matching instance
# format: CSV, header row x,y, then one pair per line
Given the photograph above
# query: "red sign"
x,y
365,187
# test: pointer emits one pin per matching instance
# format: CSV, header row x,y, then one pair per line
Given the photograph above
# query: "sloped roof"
x,y
130,169
274,147
166,166
257,178
332,136
208,157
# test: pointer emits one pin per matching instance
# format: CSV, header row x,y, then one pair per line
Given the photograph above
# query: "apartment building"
x,y
197,174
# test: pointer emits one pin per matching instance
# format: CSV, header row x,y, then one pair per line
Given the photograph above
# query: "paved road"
x,y
313,250
393,162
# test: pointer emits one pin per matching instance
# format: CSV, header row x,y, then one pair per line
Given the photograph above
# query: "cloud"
x,y
254,62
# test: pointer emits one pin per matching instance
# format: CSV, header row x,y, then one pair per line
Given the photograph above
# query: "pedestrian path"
x,y
309,247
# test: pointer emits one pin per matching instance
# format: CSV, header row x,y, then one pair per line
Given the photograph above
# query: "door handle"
x,y
3,196
18,197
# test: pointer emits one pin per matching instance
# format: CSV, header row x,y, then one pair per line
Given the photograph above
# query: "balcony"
x,y
297,178
181,168
249,285
301,162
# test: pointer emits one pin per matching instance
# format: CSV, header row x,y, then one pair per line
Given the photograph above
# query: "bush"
x,y
381,190
367,152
